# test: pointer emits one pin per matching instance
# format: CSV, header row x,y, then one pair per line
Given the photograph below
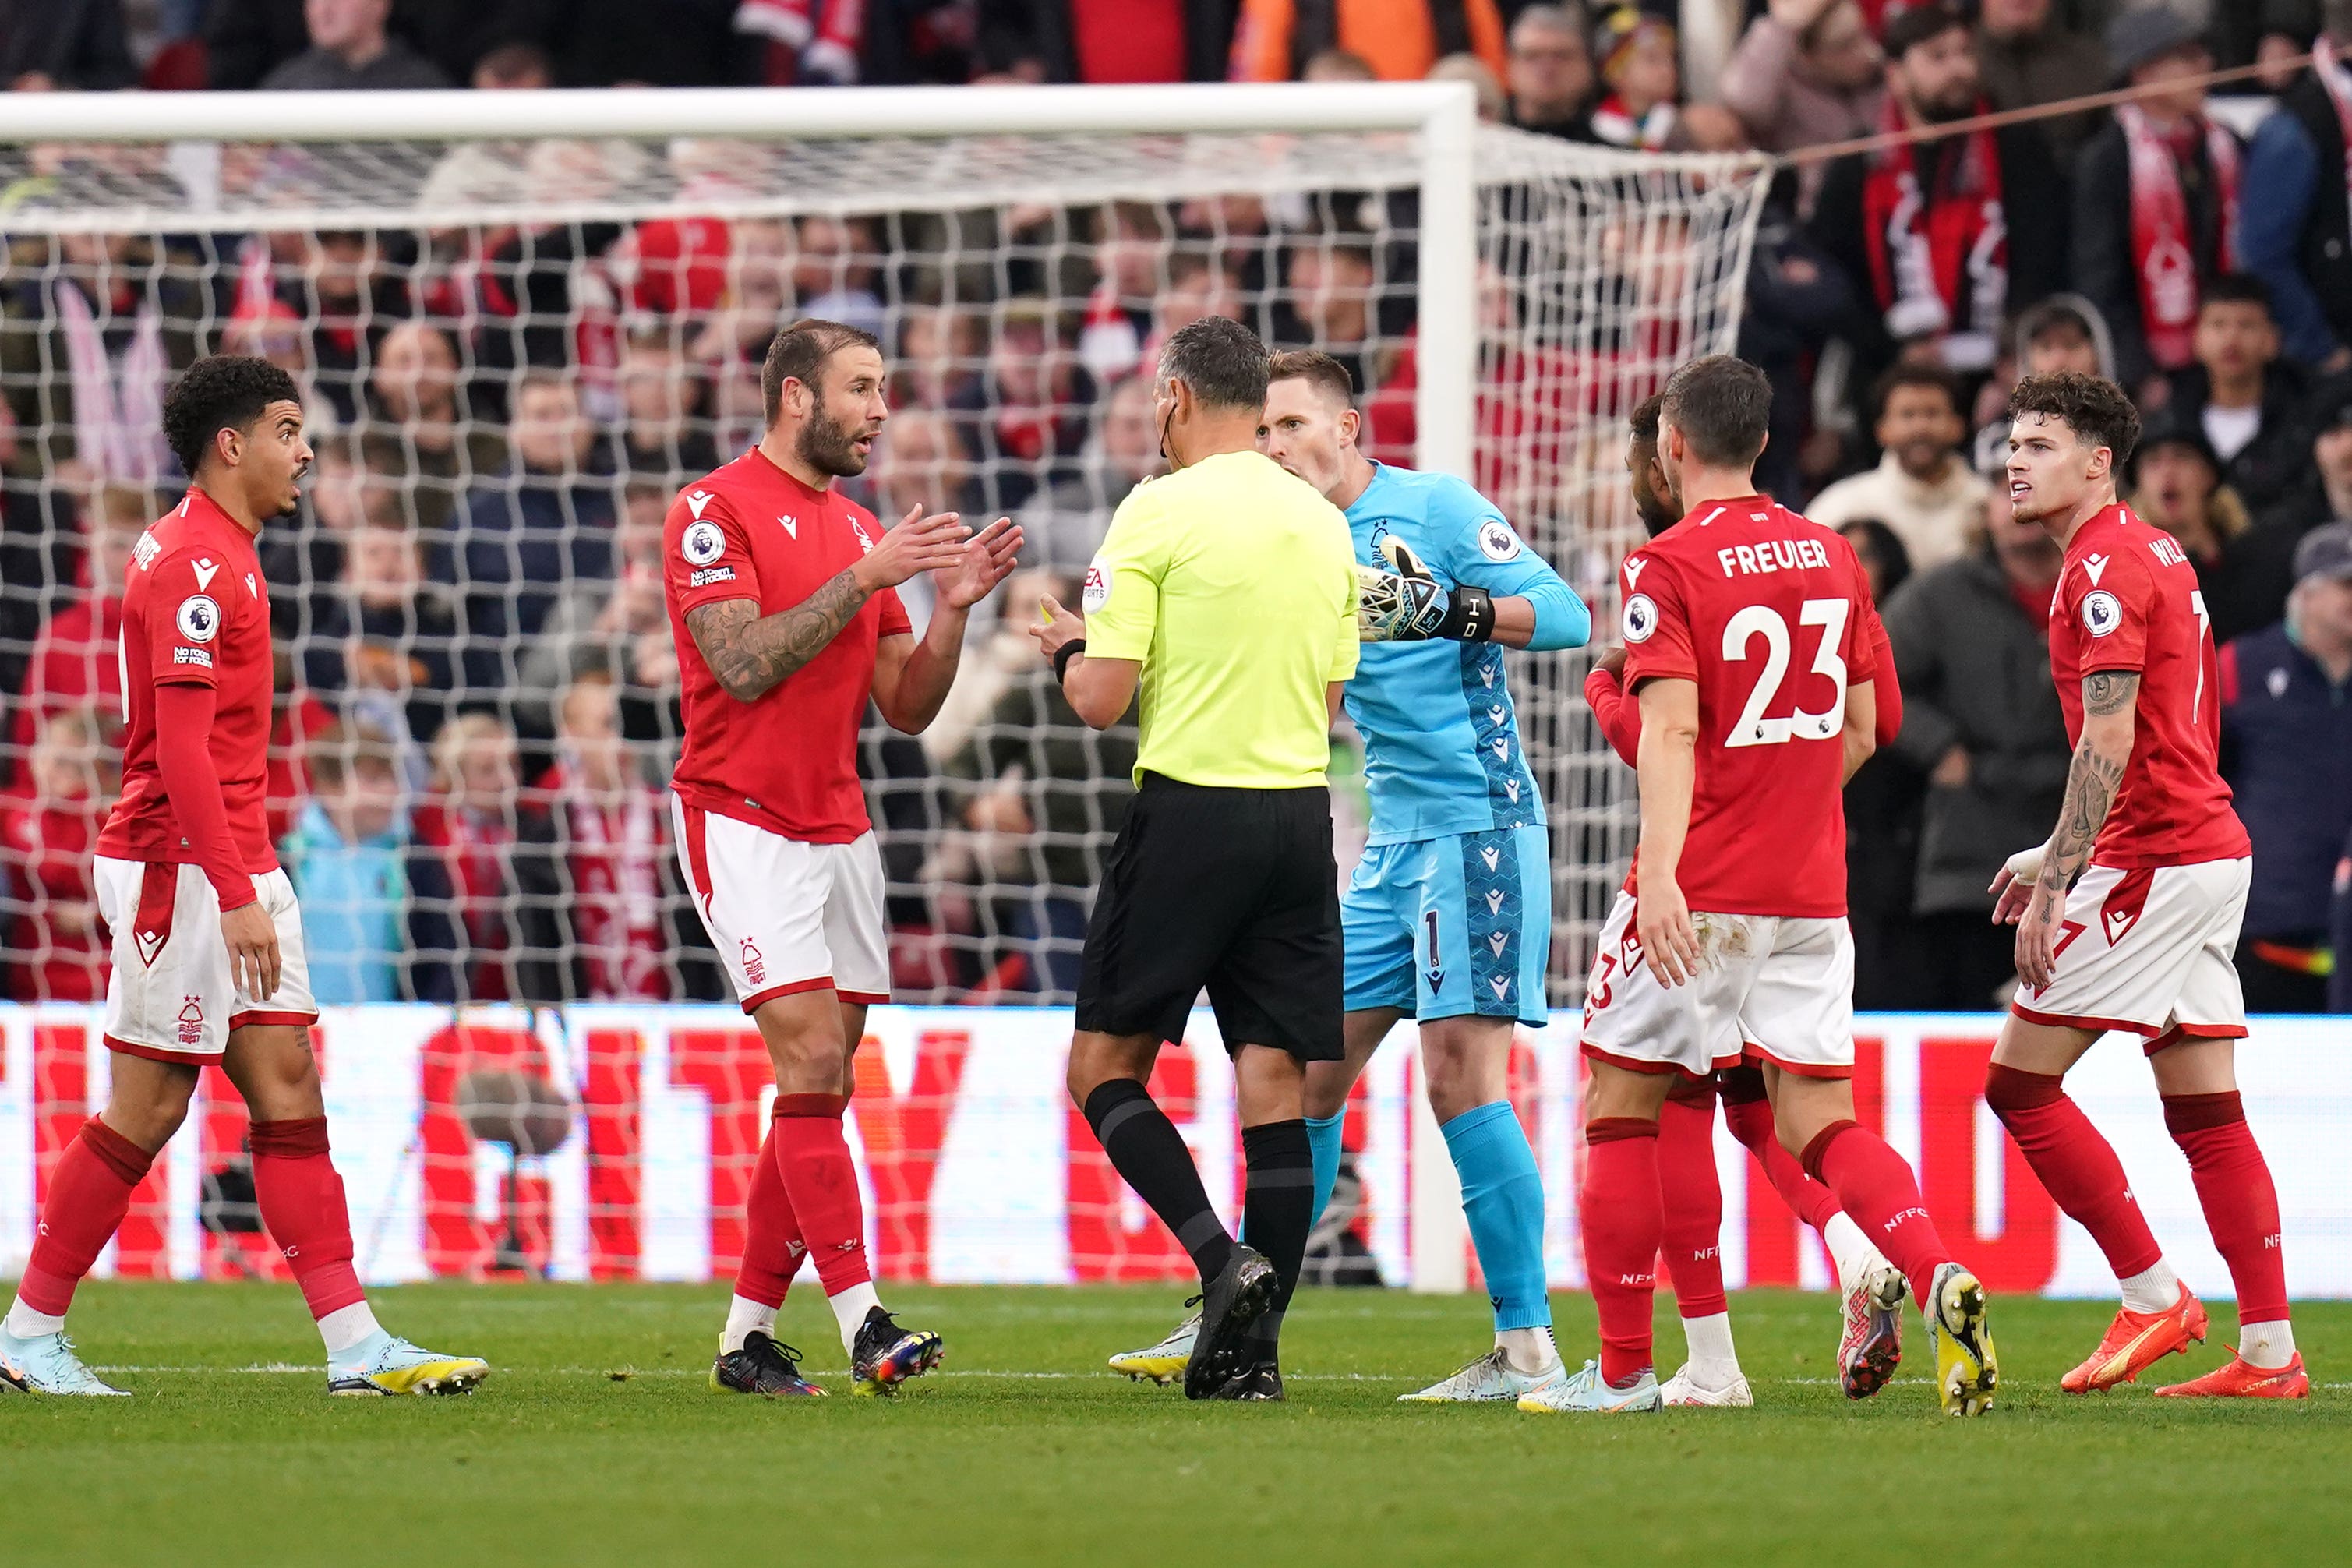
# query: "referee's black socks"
x,y
1278,1209
1150,1156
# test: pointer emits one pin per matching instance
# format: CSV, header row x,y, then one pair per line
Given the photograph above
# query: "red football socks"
x,y
302,1205
2233,1185
1750,1121
89,1191
1692,1200
1876,1189
2074,1163
812,1155
1624,1223
772,1232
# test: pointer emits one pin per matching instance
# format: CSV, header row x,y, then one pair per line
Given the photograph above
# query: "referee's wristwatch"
x,y
1062,656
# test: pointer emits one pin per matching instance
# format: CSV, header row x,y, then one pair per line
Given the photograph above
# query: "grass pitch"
x,y
1025,1451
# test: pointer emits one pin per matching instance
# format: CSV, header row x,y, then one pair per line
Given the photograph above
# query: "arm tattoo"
x,y
2107,693
2091,784
749,654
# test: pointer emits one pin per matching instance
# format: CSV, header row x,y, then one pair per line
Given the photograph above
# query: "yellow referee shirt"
x,y
1235,584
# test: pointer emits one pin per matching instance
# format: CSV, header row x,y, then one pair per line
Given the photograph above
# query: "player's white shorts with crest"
x,y
171,996
1775,986
2149,950
787,916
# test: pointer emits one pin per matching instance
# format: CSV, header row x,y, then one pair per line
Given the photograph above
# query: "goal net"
x,y
514,349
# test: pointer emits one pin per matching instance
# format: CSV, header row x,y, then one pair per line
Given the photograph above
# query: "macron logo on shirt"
x,y
697,501
205,570
2095,567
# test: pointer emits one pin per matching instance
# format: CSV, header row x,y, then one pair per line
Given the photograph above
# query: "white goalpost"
x,y
521,318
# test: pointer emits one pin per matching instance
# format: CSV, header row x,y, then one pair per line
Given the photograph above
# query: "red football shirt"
x,y
1771,615
2128,600
787,762
195,613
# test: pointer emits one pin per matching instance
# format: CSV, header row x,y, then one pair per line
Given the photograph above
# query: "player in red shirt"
x,y
1870,1344
1747,651
782,602
208,965
2127,918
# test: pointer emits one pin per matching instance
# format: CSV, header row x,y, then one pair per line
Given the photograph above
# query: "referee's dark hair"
x,y
1722,407
799,353
1223,361
226,392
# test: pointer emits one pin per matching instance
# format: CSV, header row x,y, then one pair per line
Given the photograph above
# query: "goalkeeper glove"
x,y
1408,605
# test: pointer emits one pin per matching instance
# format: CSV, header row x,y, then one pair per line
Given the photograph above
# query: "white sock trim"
x,y
744,1316
26,1324
348,1326
2151,1289
1709,1341
1849,1249
1527,1351
849,1310
2266,1345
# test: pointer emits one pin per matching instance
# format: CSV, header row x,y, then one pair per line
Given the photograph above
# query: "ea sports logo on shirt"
x,y
1495,540
1640,618
1097,592
199,618
2102,613
701,544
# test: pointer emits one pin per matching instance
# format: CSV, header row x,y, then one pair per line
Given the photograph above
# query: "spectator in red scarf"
x,y
1637,56
48,834
2158,193
1949,235
594,904
462,905
74,662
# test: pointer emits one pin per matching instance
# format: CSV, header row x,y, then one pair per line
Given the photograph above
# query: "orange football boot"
x,y
2137,1340
2239,1381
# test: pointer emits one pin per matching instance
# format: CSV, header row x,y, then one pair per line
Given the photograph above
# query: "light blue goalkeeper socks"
x,y
1323,1147
1502,1196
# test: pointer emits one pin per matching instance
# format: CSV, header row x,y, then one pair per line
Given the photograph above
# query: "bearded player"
x,y
208,962
783,603
2128,917
1447,919
1748,659
1870,1346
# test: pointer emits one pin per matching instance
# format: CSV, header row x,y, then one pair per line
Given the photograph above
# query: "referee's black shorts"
x,y
1231,889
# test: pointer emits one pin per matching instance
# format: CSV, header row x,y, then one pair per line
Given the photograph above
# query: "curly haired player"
x,y
2128,917
208,962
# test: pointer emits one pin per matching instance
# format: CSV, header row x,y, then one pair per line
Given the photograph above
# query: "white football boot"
x,y
1488,1380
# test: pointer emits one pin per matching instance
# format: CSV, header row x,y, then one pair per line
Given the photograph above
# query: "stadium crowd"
x,y
477,669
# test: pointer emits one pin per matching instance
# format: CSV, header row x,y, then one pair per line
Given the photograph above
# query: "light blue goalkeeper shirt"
x,y
1441,746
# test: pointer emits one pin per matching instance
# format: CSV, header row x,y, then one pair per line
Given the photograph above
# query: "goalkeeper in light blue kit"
x,y
1448,917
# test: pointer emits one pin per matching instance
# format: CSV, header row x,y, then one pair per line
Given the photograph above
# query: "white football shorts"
x,y
2149,950
1773,986
787,916
170,996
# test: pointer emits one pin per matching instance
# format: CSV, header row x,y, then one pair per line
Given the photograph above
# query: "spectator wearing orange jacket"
x,y
1400,39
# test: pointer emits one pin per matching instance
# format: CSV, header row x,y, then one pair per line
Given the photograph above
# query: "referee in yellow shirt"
x,y
1227,591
